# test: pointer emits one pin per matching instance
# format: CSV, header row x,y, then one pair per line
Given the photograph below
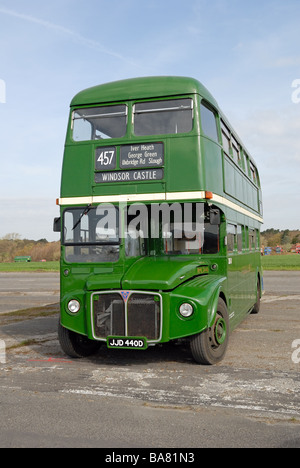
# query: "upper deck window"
x,y
97,123
254,173
163,117
209,124
236,151
225,137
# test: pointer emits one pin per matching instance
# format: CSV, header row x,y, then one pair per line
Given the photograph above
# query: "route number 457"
x,y
106,158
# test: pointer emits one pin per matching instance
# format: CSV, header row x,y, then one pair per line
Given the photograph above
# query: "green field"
x,y
30,266
281,262
269,262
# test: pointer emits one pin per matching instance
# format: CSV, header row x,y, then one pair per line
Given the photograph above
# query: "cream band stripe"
x,y
169,196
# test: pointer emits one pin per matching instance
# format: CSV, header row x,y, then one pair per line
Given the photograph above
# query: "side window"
x,y
248,172
252,239
242,161
236,151
239,239
257,239
253,172
234,238
208,122
231,237
225,138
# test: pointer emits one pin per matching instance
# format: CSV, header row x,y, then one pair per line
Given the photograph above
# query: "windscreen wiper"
x,y
86,210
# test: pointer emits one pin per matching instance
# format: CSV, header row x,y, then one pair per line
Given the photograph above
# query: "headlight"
x,y
73,306
186,310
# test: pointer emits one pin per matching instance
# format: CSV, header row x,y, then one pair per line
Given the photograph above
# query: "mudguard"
x,y
203,293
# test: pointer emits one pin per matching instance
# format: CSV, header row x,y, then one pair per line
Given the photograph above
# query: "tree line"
x,y
285,238
12,246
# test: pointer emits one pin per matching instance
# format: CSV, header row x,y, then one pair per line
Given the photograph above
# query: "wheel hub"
x,y
220,331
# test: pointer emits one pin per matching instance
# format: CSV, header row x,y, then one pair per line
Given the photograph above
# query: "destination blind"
x,y
129,176
143,163
143,155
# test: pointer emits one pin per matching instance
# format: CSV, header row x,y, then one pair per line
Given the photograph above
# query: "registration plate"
x,y
126,342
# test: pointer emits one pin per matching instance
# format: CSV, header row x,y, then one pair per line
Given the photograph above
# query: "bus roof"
x,y
142,88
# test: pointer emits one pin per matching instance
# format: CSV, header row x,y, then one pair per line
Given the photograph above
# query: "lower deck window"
x,y
204,241
171,229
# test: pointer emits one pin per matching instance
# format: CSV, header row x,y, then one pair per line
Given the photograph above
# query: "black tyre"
x,y
75,345
209,347
256,307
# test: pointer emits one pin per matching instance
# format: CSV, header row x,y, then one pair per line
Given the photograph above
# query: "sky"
x,y
247,53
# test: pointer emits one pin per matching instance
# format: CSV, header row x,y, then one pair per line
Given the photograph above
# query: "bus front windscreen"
x,y
91,234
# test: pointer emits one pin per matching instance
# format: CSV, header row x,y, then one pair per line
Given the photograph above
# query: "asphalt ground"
x,y
25,290
157,398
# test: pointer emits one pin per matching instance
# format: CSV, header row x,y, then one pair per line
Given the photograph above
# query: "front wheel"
x,y
75,345
209,347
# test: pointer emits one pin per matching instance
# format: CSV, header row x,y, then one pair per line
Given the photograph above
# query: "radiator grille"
x,y
130,314
109,315
143,316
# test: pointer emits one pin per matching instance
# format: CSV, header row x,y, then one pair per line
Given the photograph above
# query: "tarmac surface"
x,y
25,290
157,398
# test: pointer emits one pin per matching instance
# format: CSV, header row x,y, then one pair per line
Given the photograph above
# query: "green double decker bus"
x,y
160,214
